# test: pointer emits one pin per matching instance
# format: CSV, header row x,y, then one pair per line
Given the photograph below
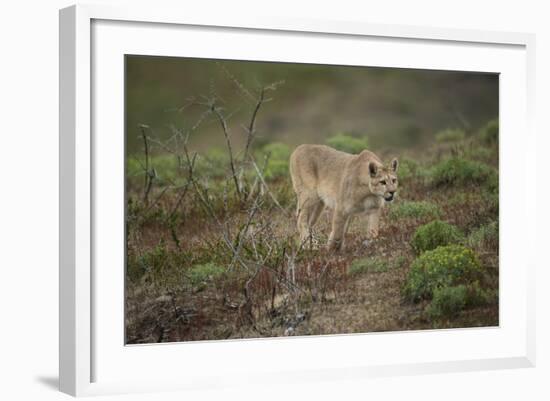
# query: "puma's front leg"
x,y
339,223
373,222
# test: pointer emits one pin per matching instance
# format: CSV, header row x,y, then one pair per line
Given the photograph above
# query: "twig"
x,y
146,149
185,188
236,82
225,129
157,199
260,100
260,176
149,174
244,230
251,125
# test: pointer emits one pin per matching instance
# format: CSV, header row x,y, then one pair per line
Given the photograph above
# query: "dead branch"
x,y
149,174
183,192
260,176
157,199
247,94
244,230
252,124
251,129
225,130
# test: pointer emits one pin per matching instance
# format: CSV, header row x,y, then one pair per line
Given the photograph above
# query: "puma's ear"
x,y
373,169
394,165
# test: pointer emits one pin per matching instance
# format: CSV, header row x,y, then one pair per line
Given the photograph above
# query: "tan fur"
x,y
347,184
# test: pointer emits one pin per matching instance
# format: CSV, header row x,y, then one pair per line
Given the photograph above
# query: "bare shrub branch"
x,y
225,129
149,173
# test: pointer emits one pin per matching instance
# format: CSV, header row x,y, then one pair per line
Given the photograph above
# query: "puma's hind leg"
x,y
309,209
340,222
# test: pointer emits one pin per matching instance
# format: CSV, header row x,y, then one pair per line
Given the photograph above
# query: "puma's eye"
x,y
383,182
394,180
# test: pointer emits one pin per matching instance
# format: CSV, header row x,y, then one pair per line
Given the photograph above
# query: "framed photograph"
x,y
278,200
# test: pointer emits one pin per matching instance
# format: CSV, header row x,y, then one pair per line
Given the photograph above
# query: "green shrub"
x,y
284,194
410,169
488,200
165,167
153,262
489,133
481,154
457,171
277,165
448,301
407,169
399,262
214,163
484,236
133,167
462,198
276,151
442,267
450,135
434,234
198,275
493,201
276,169
348,143
416,210
477,296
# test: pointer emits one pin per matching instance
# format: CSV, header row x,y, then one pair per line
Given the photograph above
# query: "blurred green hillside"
x,y
399,108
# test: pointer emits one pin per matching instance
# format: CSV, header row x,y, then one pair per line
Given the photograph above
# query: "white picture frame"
x,y
84,329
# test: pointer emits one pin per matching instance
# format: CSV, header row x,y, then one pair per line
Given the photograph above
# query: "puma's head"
x,y
383,179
